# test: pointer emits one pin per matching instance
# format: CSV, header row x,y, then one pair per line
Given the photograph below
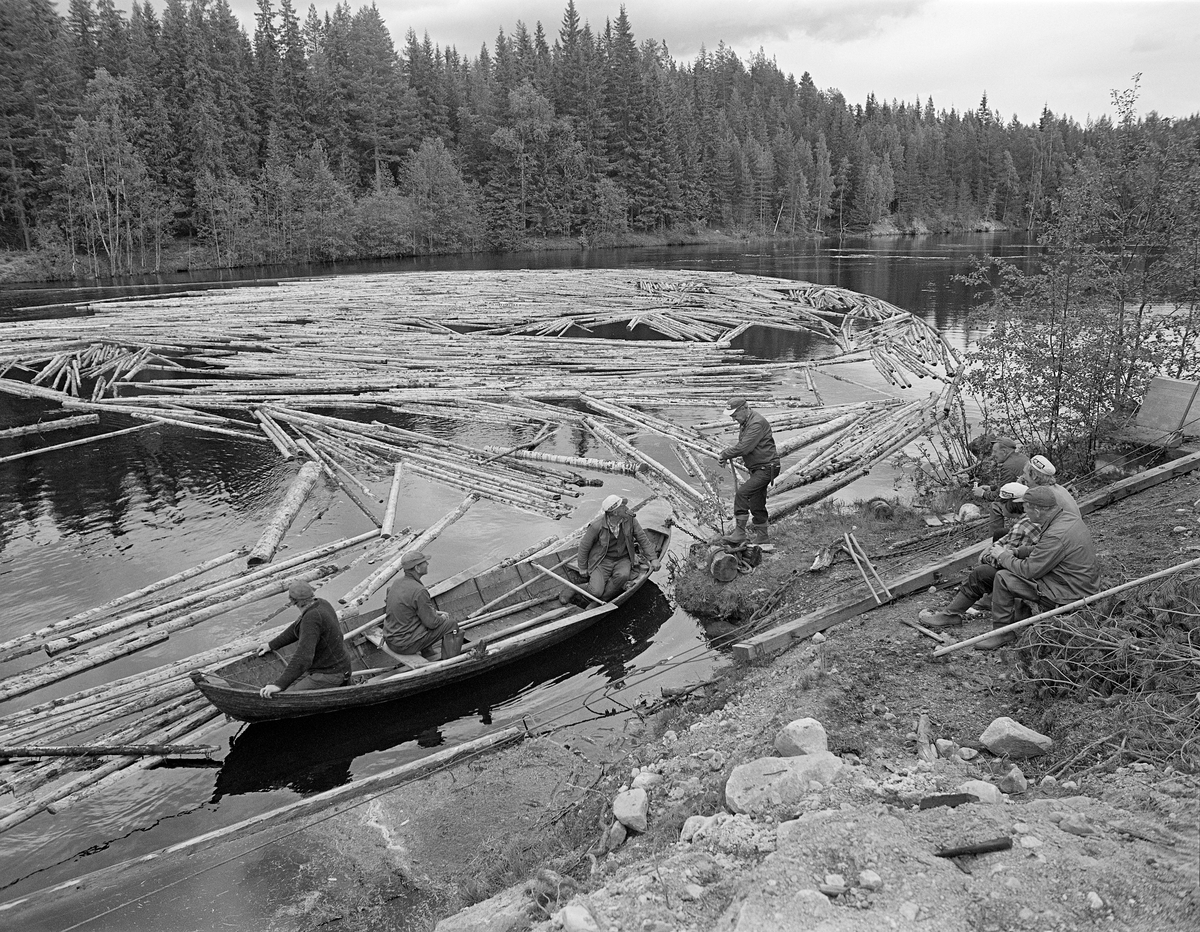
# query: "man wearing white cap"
x,y
606,552
320,660
412,624
756,447
1041,472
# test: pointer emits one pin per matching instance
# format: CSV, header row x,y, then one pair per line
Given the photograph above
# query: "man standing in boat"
x,y
320,660
756,447
412,624
606,552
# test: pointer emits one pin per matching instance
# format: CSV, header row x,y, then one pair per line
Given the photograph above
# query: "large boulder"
x,y
803,736
1010,738
773,782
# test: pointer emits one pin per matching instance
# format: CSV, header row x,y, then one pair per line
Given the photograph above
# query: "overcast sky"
x,y
1067,54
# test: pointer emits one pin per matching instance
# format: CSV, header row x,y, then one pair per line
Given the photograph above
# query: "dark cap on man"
x,y
300,591
1040,497
413,558
735,402
1006,443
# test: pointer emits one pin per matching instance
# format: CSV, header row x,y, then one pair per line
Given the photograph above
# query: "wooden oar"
x,y
567,582
529,582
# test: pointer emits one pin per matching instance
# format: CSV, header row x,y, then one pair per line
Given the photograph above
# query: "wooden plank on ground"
x,y
1142,481
807,625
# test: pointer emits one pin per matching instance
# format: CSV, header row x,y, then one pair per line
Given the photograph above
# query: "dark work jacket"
x,y
594,544
320,648
756,443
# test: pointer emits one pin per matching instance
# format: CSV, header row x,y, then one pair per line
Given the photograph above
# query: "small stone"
x,y
1013,782
1026,914
981,790
835,880
803,736
693,825
946,747
617,833
631,808
819,638
1094,901
1009,738
1076,823
575,917
1180,529
645,780
1021,828
1029,841
869,880
909,911
1048,780
834,885
693,891
967,753
1142,767
1070,785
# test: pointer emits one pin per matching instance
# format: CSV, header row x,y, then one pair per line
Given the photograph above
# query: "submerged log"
x,y
285,514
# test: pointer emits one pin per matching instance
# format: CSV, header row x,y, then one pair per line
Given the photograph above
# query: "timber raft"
x,y
639,363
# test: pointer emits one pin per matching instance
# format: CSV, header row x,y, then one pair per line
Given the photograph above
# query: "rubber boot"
x,y
738,534
759,533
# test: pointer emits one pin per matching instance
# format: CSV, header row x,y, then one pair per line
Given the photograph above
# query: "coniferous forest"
x,y
311,139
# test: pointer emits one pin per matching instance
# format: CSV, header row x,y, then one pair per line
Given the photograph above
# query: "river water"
x,y
83,526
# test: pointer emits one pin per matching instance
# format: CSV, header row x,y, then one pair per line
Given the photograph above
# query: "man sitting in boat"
x,y
320,660
412,625
606,551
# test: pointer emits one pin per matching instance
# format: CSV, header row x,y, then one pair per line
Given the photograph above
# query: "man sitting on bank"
x,y
320,660
1060,567
606,552
1009,466
1039,471
412,624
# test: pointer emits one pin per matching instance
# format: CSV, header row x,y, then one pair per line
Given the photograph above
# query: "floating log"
x,y
284,515
28,643
389,513
72,443
624,446
582,462
45,427
329,471
112,750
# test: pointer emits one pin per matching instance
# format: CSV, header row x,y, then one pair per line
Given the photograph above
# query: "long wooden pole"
x,y
1069,607
73,443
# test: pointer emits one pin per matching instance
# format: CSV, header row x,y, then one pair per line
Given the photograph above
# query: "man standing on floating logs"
x,y
606,551
1060,567
756,447
412,624
320,660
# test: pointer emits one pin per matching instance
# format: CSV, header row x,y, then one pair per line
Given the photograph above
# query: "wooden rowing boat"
x,y
521,616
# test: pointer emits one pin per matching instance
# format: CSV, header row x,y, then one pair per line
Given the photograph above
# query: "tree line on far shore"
x,y
316,139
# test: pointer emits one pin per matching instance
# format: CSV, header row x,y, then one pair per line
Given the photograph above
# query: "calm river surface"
x,y
83,526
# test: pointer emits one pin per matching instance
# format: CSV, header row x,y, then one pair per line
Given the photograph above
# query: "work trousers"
x,y
608,578
751,496
319,681
423,642
1006,589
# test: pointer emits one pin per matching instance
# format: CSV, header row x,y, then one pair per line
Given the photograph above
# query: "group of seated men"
x,y
1045,559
